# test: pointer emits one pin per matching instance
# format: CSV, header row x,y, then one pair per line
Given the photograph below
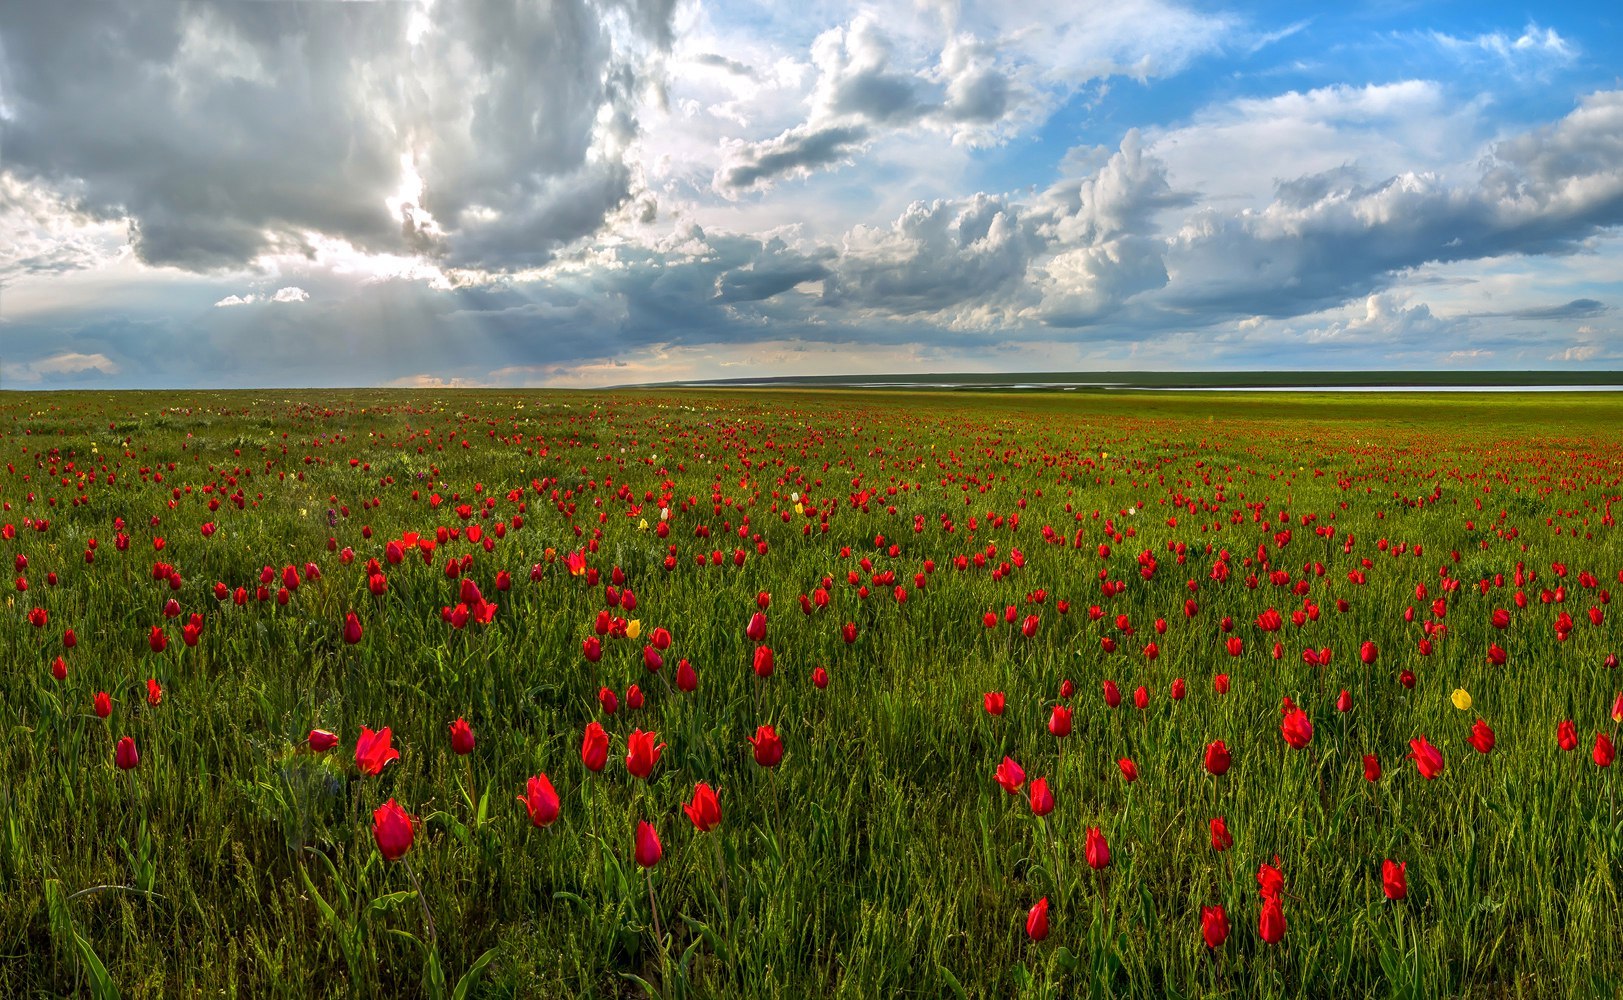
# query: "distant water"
x,y
1377,388
1138,387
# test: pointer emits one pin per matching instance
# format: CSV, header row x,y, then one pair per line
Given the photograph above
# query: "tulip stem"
x,y
653,907
428,918
721,869
1053,842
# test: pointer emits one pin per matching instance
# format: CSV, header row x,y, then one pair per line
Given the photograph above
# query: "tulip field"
x,y
790,694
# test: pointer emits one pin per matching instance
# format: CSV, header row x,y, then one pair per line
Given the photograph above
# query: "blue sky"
x,y
593,192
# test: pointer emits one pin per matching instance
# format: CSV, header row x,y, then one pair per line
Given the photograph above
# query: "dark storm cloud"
x,y
225,130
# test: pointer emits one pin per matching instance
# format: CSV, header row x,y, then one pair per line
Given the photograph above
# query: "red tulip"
x,y
104,704
1112,694
1041,799
592,649
372,750
1297,728
661,639
755,631
392,829
1617,708
608,700
1367,653
647,850
1129,770
1220,683
848,632
540,800
1271,925
1372,767
1427,758
1566,735
1406,678
633,697
37,617
320,740
1096,850
1481,737
1270,880
124,755
461,737
154,692
994,702
764,661
1344,701
1037,920
1217,758
705,809
1028,627
642,753
594,747
1395,879
1059,721
1604,753
1496,655
820,678
1010,775
1214,926
768,746
157,641
59,669
687,678
651,659
1179,689
352,629
1141,698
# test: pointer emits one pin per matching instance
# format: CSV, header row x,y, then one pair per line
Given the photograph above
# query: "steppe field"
x,y
810,694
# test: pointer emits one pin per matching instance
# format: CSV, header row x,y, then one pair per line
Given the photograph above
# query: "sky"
x,y
599,192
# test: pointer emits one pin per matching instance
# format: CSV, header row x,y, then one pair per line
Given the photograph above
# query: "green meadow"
x,y
906,543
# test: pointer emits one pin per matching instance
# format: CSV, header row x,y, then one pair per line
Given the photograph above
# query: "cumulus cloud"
x,y
286,294
222,132
63,364
934,256
974,79
1335,238
795,153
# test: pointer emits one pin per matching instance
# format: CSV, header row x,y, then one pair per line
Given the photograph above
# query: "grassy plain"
x,y
880,857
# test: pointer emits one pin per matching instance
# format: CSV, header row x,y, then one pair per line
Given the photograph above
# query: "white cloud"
x,y
56,366
284,295
1535,48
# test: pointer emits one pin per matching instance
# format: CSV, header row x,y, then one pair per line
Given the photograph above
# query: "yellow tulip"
x,y
633,628
1462,699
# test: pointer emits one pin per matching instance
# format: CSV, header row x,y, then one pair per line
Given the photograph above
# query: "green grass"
x,y
880,858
